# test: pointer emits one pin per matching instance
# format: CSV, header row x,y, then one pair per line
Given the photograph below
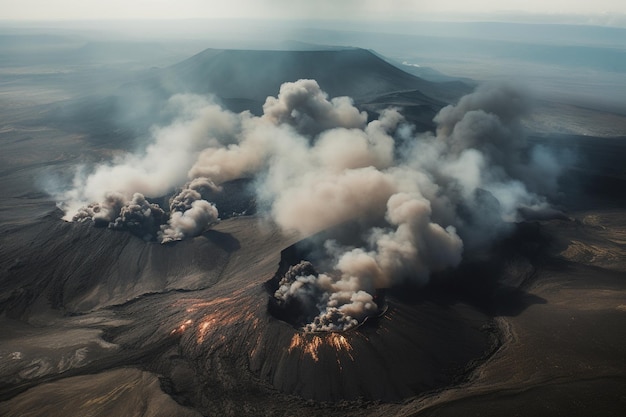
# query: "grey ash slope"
x,y
197,311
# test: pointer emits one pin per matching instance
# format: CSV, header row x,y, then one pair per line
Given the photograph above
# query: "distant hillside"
x,y
257,74
243,79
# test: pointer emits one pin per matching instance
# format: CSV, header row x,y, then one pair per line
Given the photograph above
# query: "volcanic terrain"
x,y
98,321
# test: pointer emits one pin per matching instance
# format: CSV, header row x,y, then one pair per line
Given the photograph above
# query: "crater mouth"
x,y
304,314
310,301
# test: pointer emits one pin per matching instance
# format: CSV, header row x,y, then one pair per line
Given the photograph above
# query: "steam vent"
x,y
297,298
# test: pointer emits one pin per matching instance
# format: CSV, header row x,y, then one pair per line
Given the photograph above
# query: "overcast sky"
x,y
298,9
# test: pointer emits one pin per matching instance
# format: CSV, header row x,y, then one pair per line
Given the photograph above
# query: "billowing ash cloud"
x,y
419,199
190,214
305,106
165,162
191,222
191,192
136,215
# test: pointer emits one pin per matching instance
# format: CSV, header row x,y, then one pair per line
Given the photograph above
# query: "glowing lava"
x,y
310,345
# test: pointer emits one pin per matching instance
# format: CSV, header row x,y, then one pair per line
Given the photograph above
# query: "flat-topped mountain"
x,y
243,79
254,75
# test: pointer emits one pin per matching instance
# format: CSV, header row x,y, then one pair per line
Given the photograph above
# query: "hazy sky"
x,y
300,9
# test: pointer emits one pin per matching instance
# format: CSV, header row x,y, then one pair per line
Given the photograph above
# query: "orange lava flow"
x,y
182,327
216,315
310,345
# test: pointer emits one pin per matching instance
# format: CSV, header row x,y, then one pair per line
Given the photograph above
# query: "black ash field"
x,y
303,232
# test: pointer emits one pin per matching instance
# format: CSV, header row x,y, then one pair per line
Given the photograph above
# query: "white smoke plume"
x,y
136,215
190,214
305,106
420,200
192,191
191,222
164,164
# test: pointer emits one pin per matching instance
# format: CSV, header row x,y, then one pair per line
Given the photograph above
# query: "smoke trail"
x,y
420,200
